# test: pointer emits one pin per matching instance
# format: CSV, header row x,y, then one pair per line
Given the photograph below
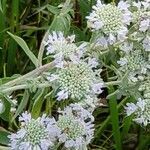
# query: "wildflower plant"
x,y
79,77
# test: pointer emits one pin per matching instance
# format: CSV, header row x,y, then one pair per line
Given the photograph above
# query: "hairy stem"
x,y
32,74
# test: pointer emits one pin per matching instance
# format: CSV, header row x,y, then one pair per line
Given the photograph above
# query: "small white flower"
x,y
61,47
110,20
92,62
123,5
97,88
111,39
25,117
144,25
122,61
146,43
52,77
62,95
126,47
59,60
102,42
122,34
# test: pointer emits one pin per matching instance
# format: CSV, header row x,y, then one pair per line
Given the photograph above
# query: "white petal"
x,y
111,39
144,25
92,62
62,95
97,88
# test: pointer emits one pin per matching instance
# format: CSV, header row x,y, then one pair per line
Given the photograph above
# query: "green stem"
x,y
33,73
24,86
113,83
4,148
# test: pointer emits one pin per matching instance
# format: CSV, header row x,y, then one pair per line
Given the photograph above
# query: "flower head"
x,y
75,124
141,15
77,80
140,111
111,20
135,63
62,48
145,88
34,134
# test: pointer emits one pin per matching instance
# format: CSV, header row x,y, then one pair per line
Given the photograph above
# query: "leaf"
x,y
22,104
115,119
4,137
26,49
53,9
38,101
60,23
5,114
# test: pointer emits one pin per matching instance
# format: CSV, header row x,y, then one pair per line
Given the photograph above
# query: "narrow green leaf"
x,y
5,114
26,49
22,104
38,101
126,126
115,119
4,137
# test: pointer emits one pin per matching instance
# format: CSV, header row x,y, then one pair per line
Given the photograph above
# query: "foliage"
x,y
81,72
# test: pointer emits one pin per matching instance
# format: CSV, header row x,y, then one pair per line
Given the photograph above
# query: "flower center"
x,y
76,79
35,132
111,17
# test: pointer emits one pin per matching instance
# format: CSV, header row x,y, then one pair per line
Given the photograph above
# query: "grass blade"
x,y
115,120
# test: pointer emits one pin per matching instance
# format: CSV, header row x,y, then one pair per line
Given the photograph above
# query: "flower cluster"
x,y
135,64
78,78
140,111
74,129
145,88
111,21
75,124
76,81
141,21
62,48
34,134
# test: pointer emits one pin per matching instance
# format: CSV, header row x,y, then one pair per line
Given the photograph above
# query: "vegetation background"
x,y
30,19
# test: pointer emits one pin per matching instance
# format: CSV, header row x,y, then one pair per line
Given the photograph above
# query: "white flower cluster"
x,y
62,48
111,21
77,81
135,64
76,78
74,129
145,88
34,134
141,15
140,111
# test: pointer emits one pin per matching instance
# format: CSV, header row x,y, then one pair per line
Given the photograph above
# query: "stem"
x,y
4,148
113,83
41,50
24,86
33,73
